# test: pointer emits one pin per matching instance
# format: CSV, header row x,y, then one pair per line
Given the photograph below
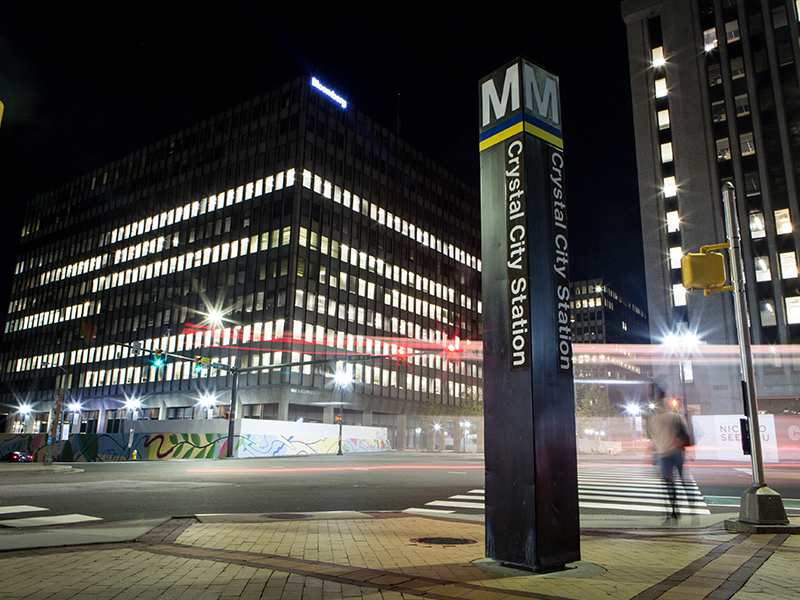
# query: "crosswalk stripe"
x,y
51,520
428,511
7,510
449,504
629,489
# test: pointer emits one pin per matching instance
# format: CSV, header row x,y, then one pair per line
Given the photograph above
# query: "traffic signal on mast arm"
x,y
198,364
159,358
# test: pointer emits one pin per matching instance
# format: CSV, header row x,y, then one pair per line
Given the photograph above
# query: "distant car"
x,y
17,457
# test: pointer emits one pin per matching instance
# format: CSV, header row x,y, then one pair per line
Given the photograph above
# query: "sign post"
x,y
529,407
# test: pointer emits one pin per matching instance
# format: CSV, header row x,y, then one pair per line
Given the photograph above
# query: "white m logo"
x,y
489,96
547,99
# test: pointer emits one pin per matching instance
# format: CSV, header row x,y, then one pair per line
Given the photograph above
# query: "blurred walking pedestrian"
x,y
670,436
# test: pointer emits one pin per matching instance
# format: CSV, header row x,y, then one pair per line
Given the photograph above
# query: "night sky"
x,y
85,83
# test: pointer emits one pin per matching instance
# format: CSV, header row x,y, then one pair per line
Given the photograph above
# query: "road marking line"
x,y
54,520
641,508
428,511
478,505
5,510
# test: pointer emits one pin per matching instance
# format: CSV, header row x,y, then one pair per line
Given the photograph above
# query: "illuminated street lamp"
x,y
681,345
436,428
24,411
75,408
207,403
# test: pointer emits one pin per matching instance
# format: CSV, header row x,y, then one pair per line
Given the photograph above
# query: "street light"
x,y
24,411
131,406
681,344
342,380
207,403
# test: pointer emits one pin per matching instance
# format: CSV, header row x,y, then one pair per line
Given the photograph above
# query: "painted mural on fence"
x,y
106,447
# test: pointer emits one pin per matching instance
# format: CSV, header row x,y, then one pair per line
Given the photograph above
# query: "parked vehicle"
x,y
16,457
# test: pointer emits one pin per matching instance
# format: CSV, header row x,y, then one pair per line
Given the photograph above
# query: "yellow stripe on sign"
x,y
544,135
499,137
515,129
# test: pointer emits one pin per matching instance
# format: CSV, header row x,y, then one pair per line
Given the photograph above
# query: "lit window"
x,y
723,149
783,221
678,295
763,272
737,67
675,255
793,310
742,105
663,119
714,74
658,57
788,265
670,187
732,31
666,152
710,39
757,229
748,146
661,88
767,313
673,222
718,112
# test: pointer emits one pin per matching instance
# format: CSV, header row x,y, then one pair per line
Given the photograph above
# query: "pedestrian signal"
x,y
705,271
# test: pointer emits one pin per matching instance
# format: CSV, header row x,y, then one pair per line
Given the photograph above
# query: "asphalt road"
x,y
137,490
356,482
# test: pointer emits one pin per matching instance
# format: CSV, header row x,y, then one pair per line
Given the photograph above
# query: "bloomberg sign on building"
x,y
531,468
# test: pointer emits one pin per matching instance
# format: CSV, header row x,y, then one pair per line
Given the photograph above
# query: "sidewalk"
x,y
384,555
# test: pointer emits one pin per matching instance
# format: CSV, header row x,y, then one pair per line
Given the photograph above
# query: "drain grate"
x,y
287,516
443,541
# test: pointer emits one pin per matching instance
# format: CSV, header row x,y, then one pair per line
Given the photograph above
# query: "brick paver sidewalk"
x,y
382,556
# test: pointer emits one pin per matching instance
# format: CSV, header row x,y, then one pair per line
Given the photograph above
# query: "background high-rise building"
x,y
289,228
716,99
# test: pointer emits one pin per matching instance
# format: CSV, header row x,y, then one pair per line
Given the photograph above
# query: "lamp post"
x,y
55,424
342,379
131,406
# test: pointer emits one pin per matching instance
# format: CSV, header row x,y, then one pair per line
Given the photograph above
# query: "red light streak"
x,y
335,469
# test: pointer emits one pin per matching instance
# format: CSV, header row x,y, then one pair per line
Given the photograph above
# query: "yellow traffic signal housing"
x,y
704,271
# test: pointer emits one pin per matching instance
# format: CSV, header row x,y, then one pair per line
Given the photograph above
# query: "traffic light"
x,y
401,357
338,418
675,403
198,364
159,358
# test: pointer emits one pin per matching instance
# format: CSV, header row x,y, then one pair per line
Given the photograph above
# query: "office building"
x,y
611,340
288,229
715,100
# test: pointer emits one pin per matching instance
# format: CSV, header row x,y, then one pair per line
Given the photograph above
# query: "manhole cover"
x,y
443,541
286,516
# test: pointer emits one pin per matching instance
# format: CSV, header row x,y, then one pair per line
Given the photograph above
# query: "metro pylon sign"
x,y
529,407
